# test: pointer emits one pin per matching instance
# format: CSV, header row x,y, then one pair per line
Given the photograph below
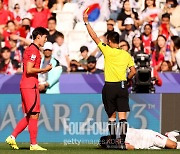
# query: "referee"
x,y
115,92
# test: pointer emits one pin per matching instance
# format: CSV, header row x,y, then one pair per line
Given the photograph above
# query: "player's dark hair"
x,y
39,31
59,34
166,15
52,18
113,37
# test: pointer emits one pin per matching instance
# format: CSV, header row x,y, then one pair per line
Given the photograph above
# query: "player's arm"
x,y
90,30
32,70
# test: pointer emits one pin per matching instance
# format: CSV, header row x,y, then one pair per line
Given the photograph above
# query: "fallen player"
x,y
143,139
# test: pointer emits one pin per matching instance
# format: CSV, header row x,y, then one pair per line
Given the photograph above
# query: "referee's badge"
x,y
33,57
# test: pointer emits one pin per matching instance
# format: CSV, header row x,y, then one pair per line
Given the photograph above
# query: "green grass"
x,y
55,148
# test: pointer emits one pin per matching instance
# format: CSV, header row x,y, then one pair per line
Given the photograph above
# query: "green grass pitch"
x,y
56,148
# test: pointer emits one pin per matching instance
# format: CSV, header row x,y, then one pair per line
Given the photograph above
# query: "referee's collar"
x,y
34,45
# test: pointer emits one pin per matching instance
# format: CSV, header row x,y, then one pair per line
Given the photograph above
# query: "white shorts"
x,y
159,140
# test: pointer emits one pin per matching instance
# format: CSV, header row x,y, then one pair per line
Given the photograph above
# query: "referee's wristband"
x,y
86,23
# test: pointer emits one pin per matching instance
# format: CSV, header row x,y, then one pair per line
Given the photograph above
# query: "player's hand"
x,y
47,68
42,87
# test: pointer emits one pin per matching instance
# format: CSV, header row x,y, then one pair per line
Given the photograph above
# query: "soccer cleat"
x,y
12,143
36,147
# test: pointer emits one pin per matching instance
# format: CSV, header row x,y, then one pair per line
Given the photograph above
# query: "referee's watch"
x,y
86,23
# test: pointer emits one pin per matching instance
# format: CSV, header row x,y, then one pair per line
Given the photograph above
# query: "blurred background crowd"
x,y
149,27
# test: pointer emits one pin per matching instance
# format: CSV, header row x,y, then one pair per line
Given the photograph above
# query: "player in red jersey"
x,y
29,90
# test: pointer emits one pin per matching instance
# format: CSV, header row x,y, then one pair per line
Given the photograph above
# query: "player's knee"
x,y
112,116
34,115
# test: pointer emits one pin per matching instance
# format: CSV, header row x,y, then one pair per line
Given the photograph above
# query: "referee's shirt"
x,y
116,63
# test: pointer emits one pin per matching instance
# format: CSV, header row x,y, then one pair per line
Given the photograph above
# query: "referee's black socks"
x,y
112,129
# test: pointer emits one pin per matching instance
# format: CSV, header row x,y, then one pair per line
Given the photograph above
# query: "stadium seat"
x,y
80,26
65,16
76,39
100,26
70,7
64,26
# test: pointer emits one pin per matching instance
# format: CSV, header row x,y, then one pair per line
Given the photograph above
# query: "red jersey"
x,y
156,62
5,15
39,18
31,54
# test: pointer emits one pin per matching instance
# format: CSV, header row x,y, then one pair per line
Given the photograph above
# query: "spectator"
x,y
150,15
137,46
18,13
169,6
91,65
61,53
175,17
58,5
52,29
74,65
110,26
84,53
159,52
26,23
166,66
128,33
49,82
165,27
175,46
39,15
115,9
147,39
8,65
11,29
123,44
127,12
15,52
167,30
25,4
5,15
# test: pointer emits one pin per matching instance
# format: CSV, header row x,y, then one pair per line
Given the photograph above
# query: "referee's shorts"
x,y
115,97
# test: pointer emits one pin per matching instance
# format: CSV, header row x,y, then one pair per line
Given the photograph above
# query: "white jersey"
x,y
145,138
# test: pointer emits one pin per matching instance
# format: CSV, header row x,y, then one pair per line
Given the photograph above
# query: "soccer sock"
x,y
178,145
123,129
112,129
33,129
22,124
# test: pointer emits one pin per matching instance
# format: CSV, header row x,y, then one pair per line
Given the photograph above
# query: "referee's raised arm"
x,y
90,30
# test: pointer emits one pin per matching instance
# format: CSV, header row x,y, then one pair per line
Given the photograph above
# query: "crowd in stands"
x,y
145,26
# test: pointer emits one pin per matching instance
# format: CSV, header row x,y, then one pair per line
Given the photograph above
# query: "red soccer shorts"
x,y
30,100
